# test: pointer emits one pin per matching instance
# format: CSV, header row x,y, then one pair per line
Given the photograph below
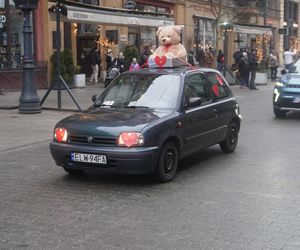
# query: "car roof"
x,y
174,70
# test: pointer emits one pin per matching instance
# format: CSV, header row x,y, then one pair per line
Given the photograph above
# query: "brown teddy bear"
x,y
169,40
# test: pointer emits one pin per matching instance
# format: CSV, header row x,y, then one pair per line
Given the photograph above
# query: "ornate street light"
x,y
29,100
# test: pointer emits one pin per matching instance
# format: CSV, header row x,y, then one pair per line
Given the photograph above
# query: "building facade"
x,y
226,25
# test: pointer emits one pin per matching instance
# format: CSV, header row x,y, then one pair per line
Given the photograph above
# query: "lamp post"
x,y
29,100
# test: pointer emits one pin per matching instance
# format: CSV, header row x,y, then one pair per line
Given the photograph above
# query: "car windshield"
x,y
296,67
142,91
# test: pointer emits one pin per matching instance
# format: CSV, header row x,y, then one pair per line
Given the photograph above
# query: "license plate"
x,y
88,158
296,100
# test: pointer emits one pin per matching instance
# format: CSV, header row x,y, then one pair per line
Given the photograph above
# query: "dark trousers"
x,y
273,73
252,78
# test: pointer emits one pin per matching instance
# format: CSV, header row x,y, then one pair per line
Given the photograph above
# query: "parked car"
x,y
146,121
286,92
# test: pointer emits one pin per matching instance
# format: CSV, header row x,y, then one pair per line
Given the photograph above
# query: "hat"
x,y
245,54
109,50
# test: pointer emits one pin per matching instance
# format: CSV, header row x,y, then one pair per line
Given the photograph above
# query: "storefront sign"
x,y
283,31
123,38
2,20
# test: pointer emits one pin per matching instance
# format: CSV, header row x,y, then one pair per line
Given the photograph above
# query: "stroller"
x,y
112,73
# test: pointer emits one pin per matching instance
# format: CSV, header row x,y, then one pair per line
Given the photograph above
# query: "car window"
x,y
152,91
220,89
196,85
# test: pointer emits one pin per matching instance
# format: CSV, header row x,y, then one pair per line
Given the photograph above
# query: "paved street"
x,y
246,200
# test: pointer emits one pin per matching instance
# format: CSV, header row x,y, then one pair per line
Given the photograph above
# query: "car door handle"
x,y
214,112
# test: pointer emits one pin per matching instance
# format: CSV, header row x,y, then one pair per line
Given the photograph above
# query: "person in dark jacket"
x,y
109,59
94,61
145,56
191,58
252,69
119,62
244,70
220,60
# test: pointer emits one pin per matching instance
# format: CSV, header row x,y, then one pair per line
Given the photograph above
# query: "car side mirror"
x,y
194,101
283,72
94,98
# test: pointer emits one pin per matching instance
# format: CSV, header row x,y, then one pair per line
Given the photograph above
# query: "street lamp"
x,y
29,100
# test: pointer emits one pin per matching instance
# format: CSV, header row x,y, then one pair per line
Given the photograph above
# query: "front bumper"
x,y
286,98
121,160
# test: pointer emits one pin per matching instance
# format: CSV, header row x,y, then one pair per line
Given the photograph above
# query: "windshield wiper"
x,y
137,107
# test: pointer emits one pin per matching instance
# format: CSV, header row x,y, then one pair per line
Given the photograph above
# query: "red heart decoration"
x,y
160,61
215,89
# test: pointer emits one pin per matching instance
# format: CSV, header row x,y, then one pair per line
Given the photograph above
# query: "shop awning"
x,y
252,30
85,15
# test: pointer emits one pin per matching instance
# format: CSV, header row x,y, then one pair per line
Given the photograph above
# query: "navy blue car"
x,y
146,121
286,92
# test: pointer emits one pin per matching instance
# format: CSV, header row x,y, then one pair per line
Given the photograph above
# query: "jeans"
x,y
273,73
94,76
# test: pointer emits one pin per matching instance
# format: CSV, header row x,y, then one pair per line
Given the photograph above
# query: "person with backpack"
x,y
94,61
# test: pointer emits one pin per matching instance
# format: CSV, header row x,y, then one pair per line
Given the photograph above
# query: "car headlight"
x,y
278,84
60,135
276,94
130,139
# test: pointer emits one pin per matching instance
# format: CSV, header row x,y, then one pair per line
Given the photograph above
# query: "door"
x,y
198,120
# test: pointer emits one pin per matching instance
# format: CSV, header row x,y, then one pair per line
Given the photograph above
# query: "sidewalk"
x,y
83,96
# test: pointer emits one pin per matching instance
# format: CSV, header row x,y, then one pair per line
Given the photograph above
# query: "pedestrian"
x,y
134,65
144,57
252,69
109,59
237,56
119,62
200,56
288,56
220,60
191,58
94,61
244,70
273,64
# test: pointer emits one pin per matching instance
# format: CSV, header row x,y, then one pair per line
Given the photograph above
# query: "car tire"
x,y
167,162
74,172
279,113
231,140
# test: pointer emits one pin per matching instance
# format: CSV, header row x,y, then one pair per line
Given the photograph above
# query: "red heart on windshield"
x,y
160,61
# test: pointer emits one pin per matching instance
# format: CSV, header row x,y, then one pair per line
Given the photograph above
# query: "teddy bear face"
x,y
168,36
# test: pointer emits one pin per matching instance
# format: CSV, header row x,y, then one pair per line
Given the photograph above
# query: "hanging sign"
x,y
2,21
130,4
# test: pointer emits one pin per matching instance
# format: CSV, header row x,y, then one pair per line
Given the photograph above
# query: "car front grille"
x,y
86,139
294,86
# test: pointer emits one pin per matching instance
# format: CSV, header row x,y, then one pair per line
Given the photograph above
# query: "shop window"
x,y
204,33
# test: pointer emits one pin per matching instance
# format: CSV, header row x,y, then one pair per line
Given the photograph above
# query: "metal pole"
x,y
287,36
29,100
58,56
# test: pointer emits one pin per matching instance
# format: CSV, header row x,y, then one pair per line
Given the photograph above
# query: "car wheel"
x,y
231,140
167,162
73,171
279,113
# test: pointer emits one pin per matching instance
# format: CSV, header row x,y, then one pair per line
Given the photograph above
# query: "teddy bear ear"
x,y
159,30
178,28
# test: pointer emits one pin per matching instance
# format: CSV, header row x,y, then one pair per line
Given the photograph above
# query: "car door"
x,y
198,130
225,103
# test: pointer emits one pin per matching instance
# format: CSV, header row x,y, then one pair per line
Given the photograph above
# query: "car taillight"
x,y
60,134
130,139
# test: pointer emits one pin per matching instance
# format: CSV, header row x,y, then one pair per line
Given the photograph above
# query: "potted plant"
x,y
67,67
79,78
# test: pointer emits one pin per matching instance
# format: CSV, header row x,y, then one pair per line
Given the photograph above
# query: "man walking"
x,y
95,61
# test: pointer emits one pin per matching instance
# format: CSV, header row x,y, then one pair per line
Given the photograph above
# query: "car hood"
x,y
111,122
291,78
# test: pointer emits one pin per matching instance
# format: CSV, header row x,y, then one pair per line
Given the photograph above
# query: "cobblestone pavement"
x,y
246,200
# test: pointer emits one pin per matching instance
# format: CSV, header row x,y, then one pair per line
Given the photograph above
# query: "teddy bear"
x,y
169,43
